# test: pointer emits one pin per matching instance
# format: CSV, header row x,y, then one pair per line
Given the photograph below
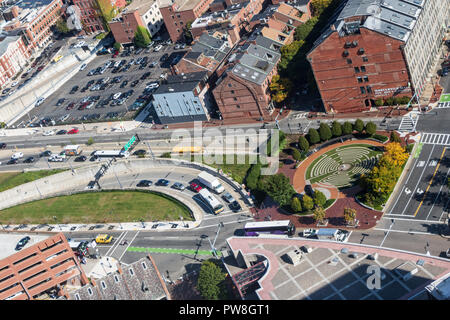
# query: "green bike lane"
x,y
172,251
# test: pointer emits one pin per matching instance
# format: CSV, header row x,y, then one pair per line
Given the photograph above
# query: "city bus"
x,y
214,204
111,154
281,227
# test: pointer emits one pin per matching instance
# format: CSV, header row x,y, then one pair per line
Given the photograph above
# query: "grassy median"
x,y
9,180
98,207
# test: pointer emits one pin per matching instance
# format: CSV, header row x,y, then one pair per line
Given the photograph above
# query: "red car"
x,y
195,187
40,68
73,131
70,106
83,106
115,54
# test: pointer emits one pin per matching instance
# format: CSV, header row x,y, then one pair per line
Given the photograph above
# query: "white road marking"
x,y
129,244
439,193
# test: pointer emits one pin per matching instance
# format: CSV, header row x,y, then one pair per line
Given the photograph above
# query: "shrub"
x,y
359,125
336,129
296,206
296,155
90,141
389,101
313,136
319,198
307,202
253,176
379,102
409,147
117,46
380,137
347,128
395,137
166,155
371,128
303,143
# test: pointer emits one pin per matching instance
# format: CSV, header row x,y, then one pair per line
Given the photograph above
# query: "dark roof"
x,y
182,83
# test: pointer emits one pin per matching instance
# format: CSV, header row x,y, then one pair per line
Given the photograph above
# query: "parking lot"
x,y
95,97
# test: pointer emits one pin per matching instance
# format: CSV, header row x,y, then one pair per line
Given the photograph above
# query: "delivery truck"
x,y
72,150
210,181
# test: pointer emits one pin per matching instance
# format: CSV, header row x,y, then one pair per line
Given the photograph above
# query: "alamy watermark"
x,y
232,146
374,280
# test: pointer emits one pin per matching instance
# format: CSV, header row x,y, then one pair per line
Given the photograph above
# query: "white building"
x,y
149,12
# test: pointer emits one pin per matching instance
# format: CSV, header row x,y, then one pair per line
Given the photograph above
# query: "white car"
x,y
117,95
177,46
309,233
158,47
49,133
90,105
83,66
343,235
153,85
163,75
39,102
17,155
55,158
15,83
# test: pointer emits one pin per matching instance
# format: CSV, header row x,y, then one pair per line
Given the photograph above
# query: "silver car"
x,y
228,197
178,186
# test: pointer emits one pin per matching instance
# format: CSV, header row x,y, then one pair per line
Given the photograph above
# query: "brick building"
x,y
32,20
376,51
91,16
242,91
47,264
13,57
139,13
177,13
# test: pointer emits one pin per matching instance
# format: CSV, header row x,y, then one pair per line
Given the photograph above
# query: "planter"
x,y
324,223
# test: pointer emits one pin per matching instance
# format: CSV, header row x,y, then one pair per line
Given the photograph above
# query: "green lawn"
x,y
9,180
98,207
445,98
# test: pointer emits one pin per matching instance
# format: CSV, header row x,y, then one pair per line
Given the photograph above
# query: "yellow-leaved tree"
x,y
395,155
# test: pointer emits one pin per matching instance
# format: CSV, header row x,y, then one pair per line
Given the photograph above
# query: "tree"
x,y
347,128
90,141
303,143
253,176
395,137
336,129
319,6
307,202
107,12
117,46
325,132
379,102
142,37
210,281
349,215
359,125
319,214
319,198
296,206
280,88
395,155
303,30
278,187
296,155
61,26
187,32
371,128
313,136
288,52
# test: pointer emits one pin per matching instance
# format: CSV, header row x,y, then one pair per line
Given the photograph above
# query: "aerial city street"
x,y
224,150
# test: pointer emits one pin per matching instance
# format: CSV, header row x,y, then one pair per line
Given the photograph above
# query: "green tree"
x,y
347,128
307,202
336,129
142,37
296,205
379,102
278,187
210,281
303,143
253,176
296,155
319,198
90,141
319,214
313,136
303,30
288,52
107,12
166,155
395,137
371,128
319,6
187,32
61,26
349,215
359,125
325,132
117,46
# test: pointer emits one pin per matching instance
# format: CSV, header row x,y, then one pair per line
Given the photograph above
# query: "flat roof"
x,y
181,5
8,242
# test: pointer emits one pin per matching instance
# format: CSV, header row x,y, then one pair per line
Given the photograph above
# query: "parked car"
x,y
157,48
45,153
29,160
73,131
163,182
83,66
2,145
17,155
164,57
80,159
195,187
140,152
178,186
235,206
134,83
39,102
117,95
144,183
228,197
13,161
62,131
22,243
70,106
49,133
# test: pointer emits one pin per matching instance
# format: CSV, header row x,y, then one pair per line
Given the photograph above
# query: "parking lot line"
x,y
431,181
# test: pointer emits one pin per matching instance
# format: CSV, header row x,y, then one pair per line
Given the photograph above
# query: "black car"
x,y
60,101
144,183
29,160
2,145
62,131
235,206
123,84
145,75
163,182
13,161
22,242
74,89
134,83
46,153
164,57
140,152
80,159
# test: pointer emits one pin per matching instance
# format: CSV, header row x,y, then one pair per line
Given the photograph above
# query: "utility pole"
x,y
213,248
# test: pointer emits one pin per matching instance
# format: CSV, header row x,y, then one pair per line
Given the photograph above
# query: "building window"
x,y
363,69
234,98
361,51
360,79
349,61
345,53
116,278
356,70
238,106
77,296
230,85
131,272
366,79
103,285
144,265
232,91
90,291
363,90
369,89
365,59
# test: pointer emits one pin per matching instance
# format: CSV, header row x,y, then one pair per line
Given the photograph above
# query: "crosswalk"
x,y
435,138
443,104
409,122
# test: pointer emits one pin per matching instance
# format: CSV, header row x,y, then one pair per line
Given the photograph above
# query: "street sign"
x,y
129,143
